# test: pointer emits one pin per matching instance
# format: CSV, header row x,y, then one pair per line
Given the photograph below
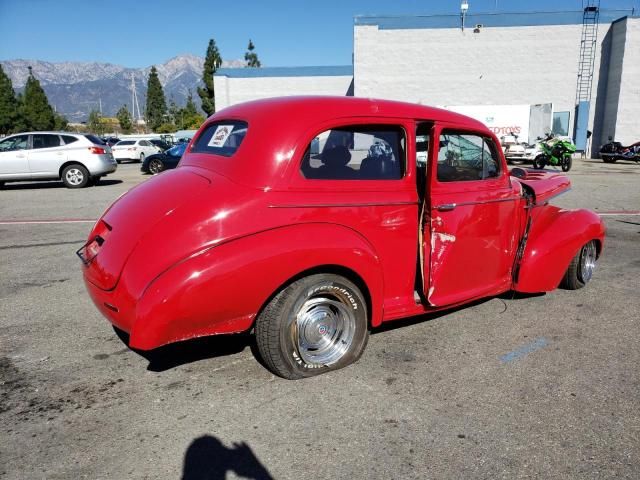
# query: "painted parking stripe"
x,y
619,213
525,350
46,222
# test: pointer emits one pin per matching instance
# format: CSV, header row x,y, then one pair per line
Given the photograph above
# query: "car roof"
x,y
49,133
330,107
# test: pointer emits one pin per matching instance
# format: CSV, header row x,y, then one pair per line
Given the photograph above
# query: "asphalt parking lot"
x,y
541,386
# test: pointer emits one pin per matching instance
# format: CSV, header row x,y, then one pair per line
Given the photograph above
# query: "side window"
x,y
68,139
45,141
144,143
359,152
466,157
19,142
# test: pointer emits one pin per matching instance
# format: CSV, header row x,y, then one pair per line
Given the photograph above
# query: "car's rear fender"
x,y
556,237
222,289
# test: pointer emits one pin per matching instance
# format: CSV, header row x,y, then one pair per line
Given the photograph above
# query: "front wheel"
x,y
581,267
566,164
75,176
539,162
155,166
317,324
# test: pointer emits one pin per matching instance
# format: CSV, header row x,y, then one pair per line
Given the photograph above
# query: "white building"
x,y
497,59
236,85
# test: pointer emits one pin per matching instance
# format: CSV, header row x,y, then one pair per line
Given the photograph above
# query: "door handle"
x,y
446,207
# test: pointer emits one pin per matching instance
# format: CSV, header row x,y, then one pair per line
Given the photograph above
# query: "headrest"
x,y
336,156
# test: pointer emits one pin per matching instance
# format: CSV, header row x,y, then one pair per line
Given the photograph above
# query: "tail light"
x,y
90,250
97,150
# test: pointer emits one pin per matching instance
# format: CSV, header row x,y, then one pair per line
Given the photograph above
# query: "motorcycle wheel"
x,y
566,164
609,160
539,162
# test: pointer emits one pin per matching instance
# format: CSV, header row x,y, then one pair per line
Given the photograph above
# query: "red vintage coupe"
x,y
311,220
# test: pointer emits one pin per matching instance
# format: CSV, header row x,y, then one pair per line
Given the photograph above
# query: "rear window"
x,y
69,139
125,142
221,138
95,140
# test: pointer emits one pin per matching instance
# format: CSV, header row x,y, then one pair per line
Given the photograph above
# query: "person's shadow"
x,y
208,459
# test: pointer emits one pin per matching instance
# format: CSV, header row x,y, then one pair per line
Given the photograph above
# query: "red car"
x,y
311,220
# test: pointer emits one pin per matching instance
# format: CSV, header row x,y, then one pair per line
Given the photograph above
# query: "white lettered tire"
x,y
316,324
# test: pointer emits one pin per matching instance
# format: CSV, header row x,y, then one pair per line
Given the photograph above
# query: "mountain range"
x,y
76,88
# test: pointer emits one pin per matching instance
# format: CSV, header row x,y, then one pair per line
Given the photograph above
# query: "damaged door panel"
x,y
472,234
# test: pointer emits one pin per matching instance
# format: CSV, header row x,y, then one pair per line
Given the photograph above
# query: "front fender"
x,y
556,237
222,289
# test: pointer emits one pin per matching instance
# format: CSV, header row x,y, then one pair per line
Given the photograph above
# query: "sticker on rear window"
x,y
220,136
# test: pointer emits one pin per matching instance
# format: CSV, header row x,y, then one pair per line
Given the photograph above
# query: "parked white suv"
x,y
134,150
76,159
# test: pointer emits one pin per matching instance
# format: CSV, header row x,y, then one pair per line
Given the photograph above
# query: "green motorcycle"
x,y
555,152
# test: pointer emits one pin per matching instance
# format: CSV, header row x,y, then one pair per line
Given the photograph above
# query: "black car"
x,y
111,141
165,160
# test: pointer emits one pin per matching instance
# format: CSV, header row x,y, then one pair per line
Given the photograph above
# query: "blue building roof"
x,y
523,19
326,71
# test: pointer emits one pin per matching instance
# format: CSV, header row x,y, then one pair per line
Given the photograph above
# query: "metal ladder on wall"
x,y
586,62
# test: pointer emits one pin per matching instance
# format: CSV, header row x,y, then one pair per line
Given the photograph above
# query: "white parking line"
x,y
42,222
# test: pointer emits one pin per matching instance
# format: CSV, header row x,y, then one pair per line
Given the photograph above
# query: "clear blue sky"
x,y
286,32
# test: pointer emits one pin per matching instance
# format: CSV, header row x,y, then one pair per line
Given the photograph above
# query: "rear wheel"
x,y
609,160
141,157
155,166
75,176
581,267
317,324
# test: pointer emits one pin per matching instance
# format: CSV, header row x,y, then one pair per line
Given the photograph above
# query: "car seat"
x,y
334,164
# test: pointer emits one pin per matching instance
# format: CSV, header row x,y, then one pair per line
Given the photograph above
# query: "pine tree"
x,y
156,104
8,105
211,63
60,122
251,57
35,109
124,118
94,124
174,111
190,108
189,116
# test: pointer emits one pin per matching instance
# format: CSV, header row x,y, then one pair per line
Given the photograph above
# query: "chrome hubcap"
x,y
74,176
587,262
325,329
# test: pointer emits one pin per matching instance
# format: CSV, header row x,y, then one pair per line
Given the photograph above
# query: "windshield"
x,y
178,150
